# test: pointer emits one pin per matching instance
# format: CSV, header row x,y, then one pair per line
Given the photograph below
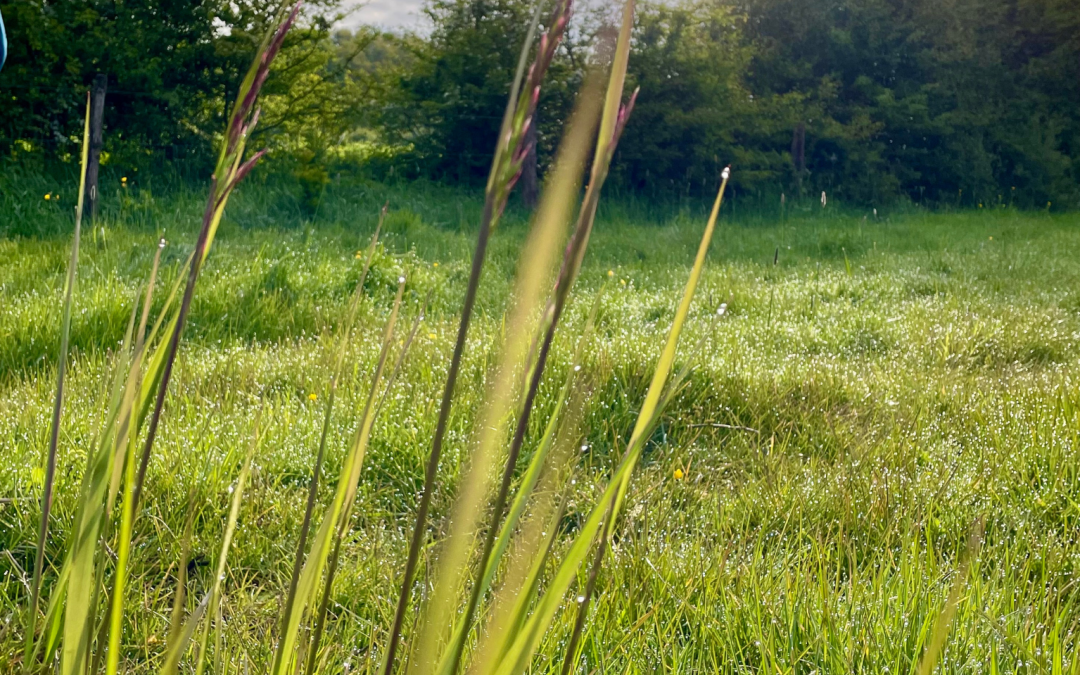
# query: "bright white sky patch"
x,y
391,14
406,14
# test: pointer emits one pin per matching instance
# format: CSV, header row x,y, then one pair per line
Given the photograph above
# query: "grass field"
x,y
877,390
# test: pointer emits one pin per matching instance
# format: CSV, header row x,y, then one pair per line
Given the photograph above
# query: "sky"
x,y
405,14
385,13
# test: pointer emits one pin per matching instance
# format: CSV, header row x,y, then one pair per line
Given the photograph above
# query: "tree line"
x,y
961,102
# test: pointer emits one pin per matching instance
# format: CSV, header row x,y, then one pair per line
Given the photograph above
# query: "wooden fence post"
x,y
798,156
97,115
530,182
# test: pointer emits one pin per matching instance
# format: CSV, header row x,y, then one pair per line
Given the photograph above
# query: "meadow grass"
x,y
874,389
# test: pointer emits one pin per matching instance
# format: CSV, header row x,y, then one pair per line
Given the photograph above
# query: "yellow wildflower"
x,y
611,273
678,474
48,196
313,397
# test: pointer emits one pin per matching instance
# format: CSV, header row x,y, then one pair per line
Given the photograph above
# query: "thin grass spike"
x,y
343,496
74,623
227,175
517,656
345,333
324,604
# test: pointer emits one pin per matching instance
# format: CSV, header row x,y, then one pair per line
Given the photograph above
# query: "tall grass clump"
x,y
510,151
523,608
504,628
83,617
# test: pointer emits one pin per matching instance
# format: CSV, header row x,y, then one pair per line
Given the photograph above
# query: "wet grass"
x,y
864,402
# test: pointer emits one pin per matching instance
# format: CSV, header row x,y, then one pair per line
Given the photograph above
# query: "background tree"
x,y
169,64
449,100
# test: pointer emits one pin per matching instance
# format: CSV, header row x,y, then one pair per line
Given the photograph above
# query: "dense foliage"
x,y
169,65
963,102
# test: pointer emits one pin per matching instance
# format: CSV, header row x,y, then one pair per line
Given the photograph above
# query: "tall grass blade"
x,y
343,527
126,464
343,337
123,553
87,570
306,587
76,598
537,464
570,658
58,403
226,543
611,125
532,545
231,169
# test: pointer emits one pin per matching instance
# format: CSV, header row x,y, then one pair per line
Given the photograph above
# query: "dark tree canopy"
x,y
946,101
169,65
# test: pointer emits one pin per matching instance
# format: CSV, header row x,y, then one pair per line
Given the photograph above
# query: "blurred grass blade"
x,y
943,624
531,546
510,152
58,403
611,124
536,264
537,464
525,643
175,651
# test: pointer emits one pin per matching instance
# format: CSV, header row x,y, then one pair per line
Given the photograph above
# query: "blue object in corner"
x,y
3,42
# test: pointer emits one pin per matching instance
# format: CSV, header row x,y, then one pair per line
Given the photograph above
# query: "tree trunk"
x,y
530,187
93,157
